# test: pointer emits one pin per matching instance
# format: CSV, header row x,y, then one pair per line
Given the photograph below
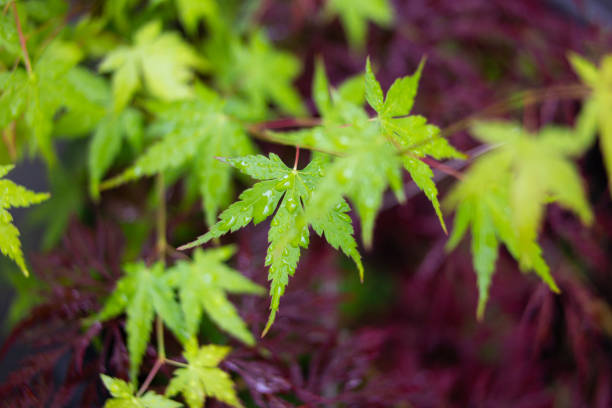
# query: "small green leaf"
x,y
142,293
160,60
14,195
202,285
202,378
355,15
123,396
289,190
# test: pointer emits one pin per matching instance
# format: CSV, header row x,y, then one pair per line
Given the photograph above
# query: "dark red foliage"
x,y
61,364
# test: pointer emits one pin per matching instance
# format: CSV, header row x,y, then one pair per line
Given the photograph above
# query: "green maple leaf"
x,y
595,112
259,73
355,14
504,194
142,293
34,99
13,195
106,143
123,396
203,283
292,189
194,132
160,60
192,11
202,378
370,152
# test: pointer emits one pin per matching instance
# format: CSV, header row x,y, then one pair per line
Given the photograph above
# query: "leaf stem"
x,y
161,349
176,363
158,363
297,157
22,40
161,216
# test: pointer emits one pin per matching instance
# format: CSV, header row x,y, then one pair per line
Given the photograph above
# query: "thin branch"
x,y
159,329
161,215
176,363
22,40
158,363
285,123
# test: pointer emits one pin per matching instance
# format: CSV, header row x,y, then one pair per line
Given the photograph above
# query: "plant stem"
x,y
176,363
22,40
161,349
297,157
161,216
158,363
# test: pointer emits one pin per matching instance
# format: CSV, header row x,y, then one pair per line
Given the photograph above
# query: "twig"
x,y
22,40
158,363
161,215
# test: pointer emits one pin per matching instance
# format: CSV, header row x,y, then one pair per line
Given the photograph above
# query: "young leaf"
x,y
14,195
194,133
597,107
142,293
35,98
292,188
372,152
355,14
162,61
270,74
192,11
203,283
106,143
123,396
504,194
202,378
413,134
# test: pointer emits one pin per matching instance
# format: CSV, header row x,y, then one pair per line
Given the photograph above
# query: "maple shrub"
x,y
196,94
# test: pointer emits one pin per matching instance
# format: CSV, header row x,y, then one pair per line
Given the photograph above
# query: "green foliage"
x,y
368,154
202,378
162,61
106,143
202,285
142,293
13,195
192,133
123,396
270,74
595,112
355,15
33,99
505,191
291,188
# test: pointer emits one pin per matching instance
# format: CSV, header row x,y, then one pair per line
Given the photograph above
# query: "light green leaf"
x,y
123,396
288,232
355,14
161,61
202,378
142,293
14,195
505,192
195,132
203,283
